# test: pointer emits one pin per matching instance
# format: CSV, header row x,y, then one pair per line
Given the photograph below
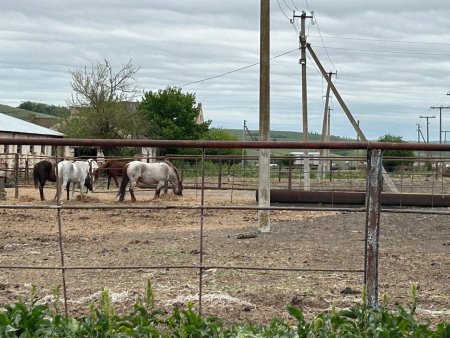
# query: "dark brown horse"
x,y
113,169
43,171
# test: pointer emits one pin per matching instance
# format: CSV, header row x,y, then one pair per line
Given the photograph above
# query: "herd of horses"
x,y
85,173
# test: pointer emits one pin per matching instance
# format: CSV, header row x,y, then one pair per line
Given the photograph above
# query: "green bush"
x,y
21,320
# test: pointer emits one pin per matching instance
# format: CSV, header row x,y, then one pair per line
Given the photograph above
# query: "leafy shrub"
x,y
361,320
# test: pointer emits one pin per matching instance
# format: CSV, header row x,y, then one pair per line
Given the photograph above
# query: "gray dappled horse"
x,y
150,173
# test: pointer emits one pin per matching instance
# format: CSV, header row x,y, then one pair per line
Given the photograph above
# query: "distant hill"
x,y
43,120
288,136
284,135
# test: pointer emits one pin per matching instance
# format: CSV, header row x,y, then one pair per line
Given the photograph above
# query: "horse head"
x,y
96,175
88,183
178,188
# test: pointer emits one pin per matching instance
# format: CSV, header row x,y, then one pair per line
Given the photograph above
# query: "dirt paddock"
x,y
414,248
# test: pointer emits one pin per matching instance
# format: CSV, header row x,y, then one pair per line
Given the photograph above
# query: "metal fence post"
x,y
219,183
16,176
373,192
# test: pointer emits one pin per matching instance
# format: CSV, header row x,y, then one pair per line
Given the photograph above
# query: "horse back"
x,y
43,171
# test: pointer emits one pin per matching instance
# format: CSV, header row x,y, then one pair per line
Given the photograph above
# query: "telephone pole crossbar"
x,y
428,117
440,119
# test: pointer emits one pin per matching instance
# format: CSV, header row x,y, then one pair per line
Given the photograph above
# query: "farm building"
x,y
314,157
11,127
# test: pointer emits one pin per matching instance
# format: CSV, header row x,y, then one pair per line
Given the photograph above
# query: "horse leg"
x,y
81,190
109,182
41,189
158,189
133,198
41,193
68,190
115,180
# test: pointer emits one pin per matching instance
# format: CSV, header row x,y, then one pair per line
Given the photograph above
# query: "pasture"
x,y
414,248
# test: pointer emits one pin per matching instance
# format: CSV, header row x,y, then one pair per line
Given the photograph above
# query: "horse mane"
x,y
170,164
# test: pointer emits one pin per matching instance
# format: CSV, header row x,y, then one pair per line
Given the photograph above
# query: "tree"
x,y
101,106
170,114
394,164
43,108
217,134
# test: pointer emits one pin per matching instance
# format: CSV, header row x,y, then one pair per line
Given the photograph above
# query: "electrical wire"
x,y
296,49
235,70
288,6
321,38
293,3
387,51
384,40
293,22
282,11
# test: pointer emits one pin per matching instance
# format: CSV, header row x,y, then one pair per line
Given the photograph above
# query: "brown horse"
x,y
43,171
113,169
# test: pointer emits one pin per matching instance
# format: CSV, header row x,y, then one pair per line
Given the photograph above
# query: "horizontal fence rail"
x,y
226,144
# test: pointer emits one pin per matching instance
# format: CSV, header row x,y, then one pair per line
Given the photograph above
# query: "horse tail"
x,y
123,184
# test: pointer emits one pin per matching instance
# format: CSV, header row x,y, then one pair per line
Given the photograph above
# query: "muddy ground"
x,y
414,248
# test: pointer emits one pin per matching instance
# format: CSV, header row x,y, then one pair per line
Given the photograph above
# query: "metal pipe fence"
x,y
285,174
373,186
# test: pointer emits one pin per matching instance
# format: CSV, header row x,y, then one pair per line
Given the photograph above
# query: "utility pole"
x,y
419,133
440,119
325,132
428,124
445,137
347,112
302,37
264,117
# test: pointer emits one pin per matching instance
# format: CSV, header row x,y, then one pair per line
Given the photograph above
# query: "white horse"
x,y
150,173
73,172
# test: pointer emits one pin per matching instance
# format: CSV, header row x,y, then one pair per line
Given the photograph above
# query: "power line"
x,y
307,5
323,43
293,50
285,15
320,34
281,9
234,70
383,40
288,6
387,51
293,3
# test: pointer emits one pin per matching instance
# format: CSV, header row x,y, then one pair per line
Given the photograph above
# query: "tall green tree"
x,y
399,158
170,114
102,104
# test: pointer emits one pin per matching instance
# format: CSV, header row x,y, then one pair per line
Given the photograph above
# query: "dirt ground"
x,y
414,248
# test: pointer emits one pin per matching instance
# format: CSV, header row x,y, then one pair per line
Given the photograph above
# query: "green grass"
x,y
22,113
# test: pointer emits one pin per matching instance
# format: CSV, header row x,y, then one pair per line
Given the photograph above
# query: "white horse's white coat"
x,y
72,172
150,173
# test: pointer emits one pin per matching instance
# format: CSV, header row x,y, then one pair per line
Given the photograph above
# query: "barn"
x,y
11,127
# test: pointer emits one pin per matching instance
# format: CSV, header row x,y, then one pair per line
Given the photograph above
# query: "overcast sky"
x,y
392,57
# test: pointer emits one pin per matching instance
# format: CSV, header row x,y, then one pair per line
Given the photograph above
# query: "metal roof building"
x,y
9,124
28,155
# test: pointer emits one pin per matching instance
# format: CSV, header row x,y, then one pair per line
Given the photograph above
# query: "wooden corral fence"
x,y
372,203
